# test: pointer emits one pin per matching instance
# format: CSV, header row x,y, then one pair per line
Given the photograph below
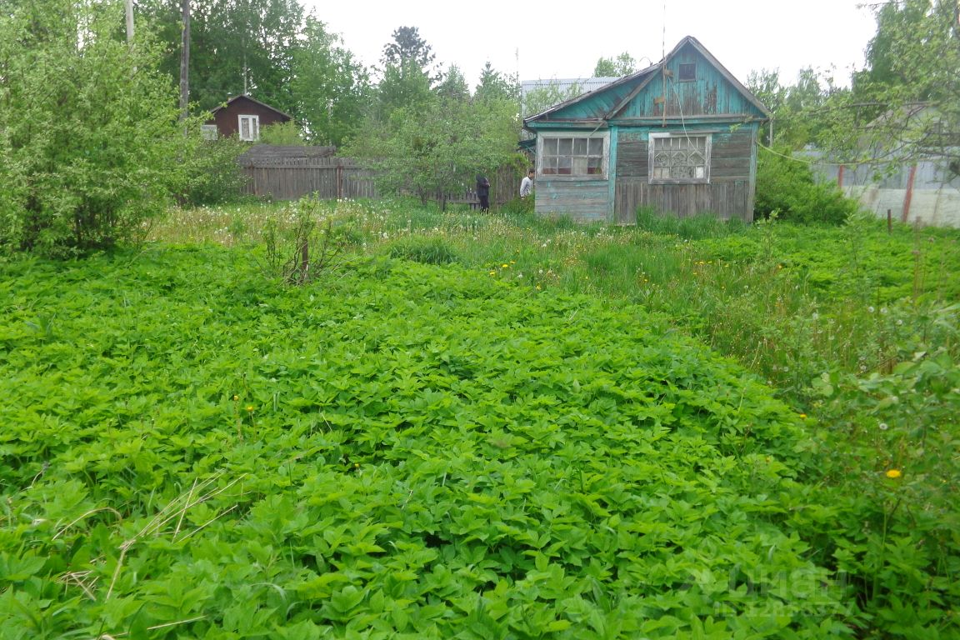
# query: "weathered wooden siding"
x,y
728,195
711,94
663,99
598,105
723,199
585,200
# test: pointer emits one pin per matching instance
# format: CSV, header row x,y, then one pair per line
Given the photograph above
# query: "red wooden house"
x,y
243,117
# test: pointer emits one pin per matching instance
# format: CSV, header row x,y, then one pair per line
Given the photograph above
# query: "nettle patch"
x,y
394,451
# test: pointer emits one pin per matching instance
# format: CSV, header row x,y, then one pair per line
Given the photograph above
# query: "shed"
x,y
679,136
242,116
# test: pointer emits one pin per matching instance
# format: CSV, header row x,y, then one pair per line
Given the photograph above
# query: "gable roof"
x,y
253,100
629,87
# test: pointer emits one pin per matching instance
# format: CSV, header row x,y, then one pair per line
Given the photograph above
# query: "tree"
x,y
408,48
237,47
546,95
90,136
453,86
408,75
437,148
495,86
894,19
622,65
330,88
801,111
906,105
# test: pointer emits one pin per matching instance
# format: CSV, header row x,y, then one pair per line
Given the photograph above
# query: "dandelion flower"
x,y
894,473
504,266
803,415
883,426
250,408
235,398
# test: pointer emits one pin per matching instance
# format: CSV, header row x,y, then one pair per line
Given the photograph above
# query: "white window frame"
x,y
254,128
574,135
681,135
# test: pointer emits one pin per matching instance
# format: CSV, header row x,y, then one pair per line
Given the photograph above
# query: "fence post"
x,y
909,195
339,180
889,220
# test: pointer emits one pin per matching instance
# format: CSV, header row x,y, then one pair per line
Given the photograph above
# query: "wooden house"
x,y
679,137
243,117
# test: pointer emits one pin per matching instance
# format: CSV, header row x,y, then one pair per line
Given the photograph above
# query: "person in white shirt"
x,y
526,185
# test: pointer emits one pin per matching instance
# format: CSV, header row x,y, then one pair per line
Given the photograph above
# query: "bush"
x,y
282,133
90,140
786,189
519,206
215,176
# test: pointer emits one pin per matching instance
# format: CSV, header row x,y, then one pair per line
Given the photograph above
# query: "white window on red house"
x,y
679,158
250,128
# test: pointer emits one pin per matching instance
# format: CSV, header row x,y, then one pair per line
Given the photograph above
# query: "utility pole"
x,y
129,7
185,63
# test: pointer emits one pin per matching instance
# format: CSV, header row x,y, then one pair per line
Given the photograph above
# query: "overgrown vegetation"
x,y
855,327
786,189
90,139
398,451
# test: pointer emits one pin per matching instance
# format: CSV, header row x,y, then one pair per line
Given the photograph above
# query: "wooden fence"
x,y
289,177
295,178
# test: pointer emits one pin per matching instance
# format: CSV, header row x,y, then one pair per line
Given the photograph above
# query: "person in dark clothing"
x,y
483,193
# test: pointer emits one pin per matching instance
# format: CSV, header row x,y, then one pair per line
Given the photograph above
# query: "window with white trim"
x,y
679,158
573,155
249,128
209,131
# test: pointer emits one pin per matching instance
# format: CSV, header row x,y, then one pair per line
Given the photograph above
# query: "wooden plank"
x,y
725,199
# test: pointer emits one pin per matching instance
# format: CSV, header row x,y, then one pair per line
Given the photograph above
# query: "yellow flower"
x,y
505,266
894,473
235,398
493,273
803,415
250,408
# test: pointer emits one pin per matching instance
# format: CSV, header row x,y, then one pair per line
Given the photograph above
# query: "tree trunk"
x,y
185,63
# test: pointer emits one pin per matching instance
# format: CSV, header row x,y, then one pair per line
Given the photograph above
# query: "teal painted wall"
x,y
708,102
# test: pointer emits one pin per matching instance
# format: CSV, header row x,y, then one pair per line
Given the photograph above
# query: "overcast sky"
x,y
564,39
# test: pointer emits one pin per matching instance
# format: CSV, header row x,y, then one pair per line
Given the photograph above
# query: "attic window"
x,y
688,72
